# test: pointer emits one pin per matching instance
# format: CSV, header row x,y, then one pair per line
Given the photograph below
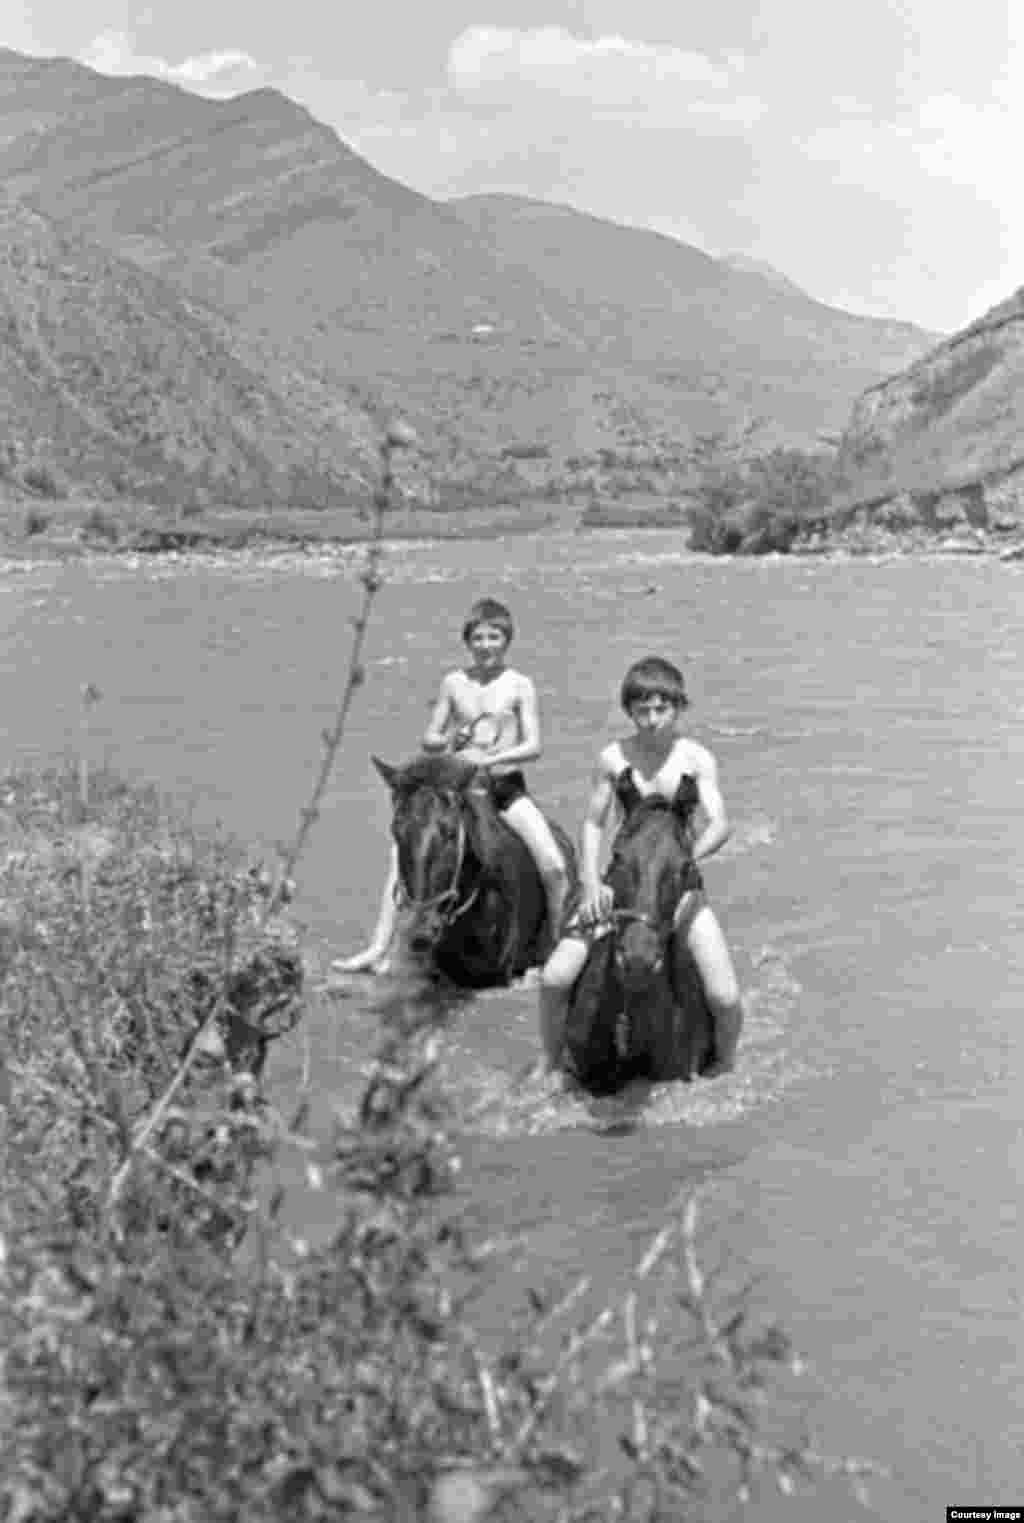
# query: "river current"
x,y
868,719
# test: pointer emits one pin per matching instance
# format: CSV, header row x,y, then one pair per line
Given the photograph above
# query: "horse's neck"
x,y
479,820
640,845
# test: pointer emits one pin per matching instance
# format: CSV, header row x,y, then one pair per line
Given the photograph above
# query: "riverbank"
x,y
81,530
44,529
173,1349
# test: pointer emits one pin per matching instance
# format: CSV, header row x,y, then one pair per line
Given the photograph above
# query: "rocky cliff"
x,y
941,445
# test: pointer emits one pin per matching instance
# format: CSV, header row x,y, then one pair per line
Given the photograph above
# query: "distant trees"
x,y
762,506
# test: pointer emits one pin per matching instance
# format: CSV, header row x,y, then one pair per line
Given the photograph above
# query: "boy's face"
x,y
654,715
487,645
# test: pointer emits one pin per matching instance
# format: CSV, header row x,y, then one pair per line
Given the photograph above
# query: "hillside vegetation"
x,y
114,381
537,351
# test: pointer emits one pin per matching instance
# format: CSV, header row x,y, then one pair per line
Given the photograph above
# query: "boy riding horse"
x,y
655,761
487,713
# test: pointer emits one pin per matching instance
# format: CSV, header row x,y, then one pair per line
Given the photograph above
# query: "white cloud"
x,y
499,66
217,74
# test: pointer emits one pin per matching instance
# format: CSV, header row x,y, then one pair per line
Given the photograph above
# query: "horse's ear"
x,y
387,772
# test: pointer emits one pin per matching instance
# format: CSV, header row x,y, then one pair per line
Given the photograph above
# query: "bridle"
x,y
663,933
449,896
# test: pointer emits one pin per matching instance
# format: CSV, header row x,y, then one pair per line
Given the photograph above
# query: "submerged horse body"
x,y
638,1009
478,905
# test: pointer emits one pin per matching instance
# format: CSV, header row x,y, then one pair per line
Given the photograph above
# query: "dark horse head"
x,y
650,870
437,866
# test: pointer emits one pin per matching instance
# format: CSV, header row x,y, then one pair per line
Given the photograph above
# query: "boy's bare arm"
x,y
602,795
717,829
435,736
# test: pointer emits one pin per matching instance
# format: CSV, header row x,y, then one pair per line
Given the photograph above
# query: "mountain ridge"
x,y
613,354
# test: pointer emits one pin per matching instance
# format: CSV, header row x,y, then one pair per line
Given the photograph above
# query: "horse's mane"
x,y
648,812
633,848
446,774
487,832
442,773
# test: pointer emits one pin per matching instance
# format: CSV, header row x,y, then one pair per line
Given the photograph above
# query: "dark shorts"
x,y
506,787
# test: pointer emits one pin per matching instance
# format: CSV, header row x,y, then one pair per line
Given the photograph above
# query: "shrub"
x,y
99,524
41,479
944,382
763,507
37,522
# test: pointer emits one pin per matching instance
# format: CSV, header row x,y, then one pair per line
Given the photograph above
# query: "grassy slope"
x,y
113,380
348,285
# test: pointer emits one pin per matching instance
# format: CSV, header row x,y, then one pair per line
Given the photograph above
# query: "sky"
x,y
867,150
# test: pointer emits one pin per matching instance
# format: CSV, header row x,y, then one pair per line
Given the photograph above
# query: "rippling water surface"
x,y
869,723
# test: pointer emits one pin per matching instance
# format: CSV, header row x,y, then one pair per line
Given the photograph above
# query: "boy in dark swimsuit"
x,y
486,713
655,760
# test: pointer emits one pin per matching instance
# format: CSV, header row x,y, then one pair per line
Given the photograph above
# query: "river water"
x,y
868,718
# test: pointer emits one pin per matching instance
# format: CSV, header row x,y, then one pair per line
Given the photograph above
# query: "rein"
x,y
664,933
446,896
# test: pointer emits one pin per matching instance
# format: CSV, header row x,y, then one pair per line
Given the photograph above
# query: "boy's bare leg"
x,y
560,973
529,824
721,988
374,957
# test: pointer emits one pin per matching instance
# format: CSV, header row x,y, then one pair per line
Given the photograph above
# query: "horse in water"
x,y
638,1010
479,910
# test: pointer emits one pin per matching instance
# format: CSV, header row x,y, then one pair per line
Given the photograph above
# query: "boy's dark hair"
x,y
653,677
488,611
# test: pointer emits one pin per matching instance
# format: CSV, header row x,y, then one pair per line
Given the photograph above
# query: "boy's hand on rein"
x,y
597,905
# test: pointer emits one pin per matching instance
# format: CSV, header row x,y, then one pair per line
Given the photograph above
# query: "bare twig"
x,y
579,1340
193,1184
397,437
145,1131
91,695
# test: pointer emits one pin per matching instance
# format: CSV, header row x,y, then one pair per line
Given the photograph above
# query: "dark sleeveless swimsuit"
x,y
684,801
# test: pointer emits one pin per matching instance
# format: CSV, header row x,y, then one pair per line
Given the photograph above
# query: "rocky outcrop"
x,y
939,448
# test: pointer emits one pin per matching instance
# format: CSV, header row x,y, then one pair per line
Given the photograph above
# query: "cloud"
x,y
217,74
606,70
499,67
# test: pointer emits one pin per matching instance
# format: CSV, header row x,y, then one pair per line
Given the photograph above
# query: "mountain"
x,y
113,381
682,319
532,346
946,435
746,264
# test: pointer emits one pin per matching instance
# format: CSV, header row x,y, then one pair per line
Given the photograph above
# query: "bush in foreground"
x,y
173,1354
